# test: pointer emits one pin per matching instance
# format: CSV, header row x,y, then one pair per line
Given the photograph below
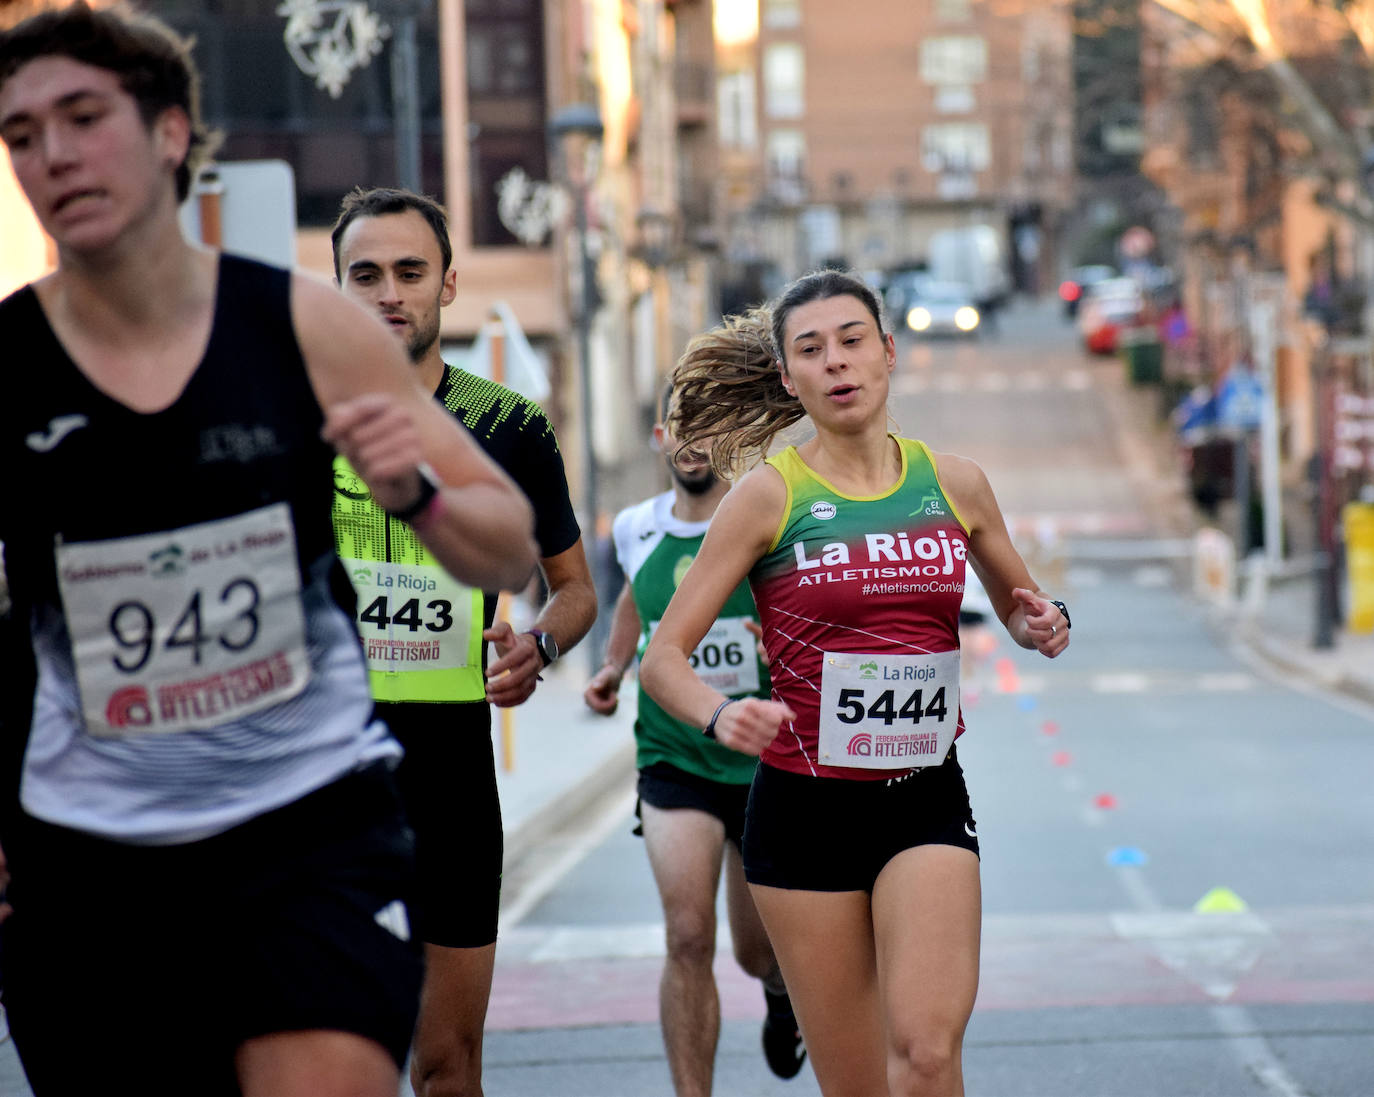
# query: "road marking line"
x,y
1123,682
1152,575
597,830
1226,680
1214,951
1254,1052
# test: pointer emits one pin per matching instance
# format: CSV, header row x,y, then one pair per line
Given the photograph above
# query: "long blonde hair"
x,y
728,386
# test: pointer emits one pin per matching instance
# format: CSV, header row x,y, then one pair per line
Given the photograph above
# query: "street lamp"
x,y
655,237
405,91
583,120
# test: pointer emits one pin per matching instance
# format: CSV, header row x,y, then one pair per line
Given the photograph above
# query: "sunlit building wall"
x,y
876,123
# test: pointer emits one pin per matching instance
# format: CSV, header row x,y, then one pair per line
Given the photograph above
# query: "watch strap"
x,y
429,488
541,645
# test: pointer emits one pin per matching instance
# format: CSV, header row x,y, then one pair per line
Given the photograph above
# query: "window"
x,y
787,163
506,106
958,59
736,110
779,13
953,11
784,76
955,147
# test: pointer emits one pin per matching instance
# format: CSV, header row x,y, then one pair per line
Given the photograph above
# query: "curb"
x,y
1280,657
616,769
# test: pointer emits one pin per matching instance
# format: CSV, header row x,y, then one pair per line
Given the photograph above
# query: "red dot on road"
x,y
1061,758
1049,727
1004,667
1106,801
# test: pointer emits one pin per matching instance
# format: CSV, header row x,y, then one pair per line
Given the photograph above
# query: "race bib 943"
x,y
188,628
888,711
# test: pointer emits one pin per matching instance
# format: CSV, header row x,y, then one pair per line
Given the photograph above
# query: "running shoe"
x,y
782,1039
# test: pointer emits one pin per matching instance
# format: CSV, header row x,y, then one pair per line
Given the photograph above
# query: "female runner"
x,y
860,848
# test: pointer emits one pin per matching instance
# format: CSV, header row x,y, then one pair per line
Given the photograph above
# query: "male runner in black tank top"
x,y
239,941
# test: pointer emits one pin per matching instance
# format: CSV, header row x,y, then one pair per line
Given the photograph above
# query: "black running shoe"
x,y
782,1039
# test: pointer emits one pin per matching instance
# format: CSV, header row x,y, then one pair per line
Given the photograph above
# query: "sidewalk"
x,y
1281,628
562,755
1276,622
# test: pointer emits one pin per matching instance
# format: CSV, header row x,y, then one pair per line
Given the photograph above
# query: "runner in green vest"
x,y
424,635
692,791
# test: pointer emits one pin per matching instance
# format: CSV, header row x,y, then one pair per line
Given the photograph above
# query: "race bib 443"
x,y
888,711
188,628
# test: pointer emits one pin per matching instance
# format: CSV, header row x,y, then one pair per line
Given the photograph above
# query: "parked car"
x,y
1079,281
1108,307
942,308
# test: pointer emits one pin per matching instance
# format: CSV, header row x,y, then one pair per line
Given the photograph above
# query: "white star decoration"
x,y
330,39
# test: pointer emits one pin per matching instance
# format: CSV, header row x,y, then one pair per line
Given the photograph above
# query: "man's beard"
x,y
419,344
695,483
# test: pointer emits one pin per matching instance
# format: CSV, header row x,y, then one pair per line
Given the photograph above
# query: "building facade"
x,y
853,132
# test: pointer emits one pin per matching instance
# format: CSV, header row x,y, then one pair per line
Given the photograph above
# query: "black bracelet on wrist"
x,y
710,729
429,488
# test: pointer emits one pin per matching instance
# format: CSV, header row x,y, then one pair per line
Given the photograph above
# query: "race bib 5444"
x,y
888,711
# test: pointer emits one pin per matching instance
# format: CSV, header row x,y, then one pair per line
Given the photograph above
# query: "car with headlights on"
x,y
941,308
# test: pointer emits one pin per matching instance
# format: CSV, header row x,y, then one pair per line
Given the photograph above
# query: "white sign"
x,y
257,209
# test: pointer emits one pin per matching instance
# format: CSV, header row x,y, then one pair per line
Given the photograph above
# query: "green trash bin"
x,y
1144,355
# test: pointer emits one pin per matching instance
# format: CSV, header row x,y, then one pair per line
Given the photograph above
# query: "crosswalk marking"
x,y
1113,682
1123,682
923,379
1188,940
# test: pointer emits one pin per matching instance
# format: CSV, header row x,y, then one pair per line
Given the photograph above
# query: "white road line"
x,y
1254,1052
612,815
1121,682
1152,576
1214,951
1133,880
1226,680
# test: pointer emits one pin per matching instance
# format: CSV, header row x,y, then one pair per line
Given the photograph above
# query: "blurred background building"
x,y
851,134
619,173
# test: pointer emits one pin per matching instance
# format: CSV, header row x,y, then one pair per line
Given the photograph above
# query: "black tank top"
x,y
243,433
83,468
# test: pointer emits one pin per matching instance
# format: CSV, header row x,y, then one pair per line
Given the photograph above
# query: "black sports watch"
x,y
429,488
547,645
1064,610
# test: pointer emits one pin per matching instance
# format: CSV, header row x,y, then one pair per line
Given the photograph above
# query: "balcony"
x,y
694,86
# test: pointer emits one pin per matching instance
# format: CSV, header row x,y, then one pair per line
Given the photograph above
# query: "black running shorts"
x,y
665,786
830,834
145,967
448,785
